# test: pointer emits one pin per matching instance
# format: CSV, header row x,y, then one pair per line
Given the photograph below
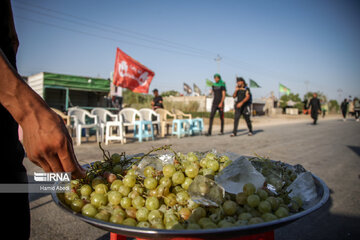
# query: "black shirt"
x,y
157,103
241,94
217,94
315,105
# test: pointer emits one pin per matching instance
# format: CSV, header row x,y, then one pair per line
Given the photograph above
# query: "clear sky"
x,y
289,42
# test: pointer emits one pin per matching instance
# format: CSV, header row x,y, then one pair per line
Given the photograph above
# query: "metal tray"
x,y
321,188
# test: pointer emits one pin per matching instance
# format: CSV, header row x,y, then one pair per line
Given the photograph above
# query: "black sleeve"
x,y
160,98
223,88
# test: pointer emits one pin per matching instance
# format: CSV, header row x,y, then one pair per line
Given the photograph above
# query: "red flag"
x,y
131,74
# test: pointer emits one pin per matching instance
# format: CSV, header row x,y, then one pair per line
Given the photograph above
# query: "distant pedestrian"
x,y
344,108
315,108
219,91
357,108
156,103
324,108
242,106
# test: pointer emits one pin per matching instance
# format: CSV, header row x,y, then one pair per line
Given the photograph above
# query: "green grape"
x,y
177,226
129,180
192,205
241,198
165,181
203,162
77,205
125,202
262,194
241,222
133,194
75,183
158,225
115,158
116,218
162,191
253,200
150,183
171,224
138,188
267,217
117,169
227,163
89,210
177,189
129,222
197,214
249,189
153,215
298,201
193,226
116,184
191,157
114,197
264,207
170,200
215,218
119,211
208,171
152,203
96,181
210,225
245,216
131,172
282,212
182,197
191,171
226,224
142,214
143,225
124,190
186,184
170,217
255,220
102,216
98,200
274,203
255,213
213,165
178,178
138,202
211,156
229,207
224,158
149,171
85,190
101,188
169,170
69,197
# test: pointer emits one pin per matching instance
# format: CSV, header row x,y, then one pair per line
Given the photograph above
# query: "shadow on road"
x,y
355,149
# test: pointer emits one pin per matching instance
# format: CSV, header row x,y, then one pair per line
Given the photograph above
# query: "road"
x,y
331,150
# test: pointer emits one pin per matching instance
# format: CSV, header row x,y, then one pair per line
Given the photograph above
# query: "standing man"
x,y
315,108
219,91
242,97
357,108
46,139
157,101
344,108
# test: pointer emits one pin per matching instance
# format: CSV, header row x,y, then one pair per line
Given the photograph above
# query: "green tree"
x,y
321,96
136,100
293,97
334,106
170,93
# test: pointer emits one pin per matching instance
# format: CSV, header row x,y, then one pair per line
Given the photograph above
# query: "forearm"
x,y
16,96
222,98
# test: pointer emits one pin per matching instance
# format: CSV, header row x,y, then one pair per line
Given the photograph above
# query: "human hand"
x,y
48,143
221,105
239,104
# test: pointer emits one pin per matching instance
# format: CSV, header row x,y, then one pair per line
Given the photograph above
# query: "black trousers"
x,y
246,112
343,113
357,113
214,108
314,116
17,221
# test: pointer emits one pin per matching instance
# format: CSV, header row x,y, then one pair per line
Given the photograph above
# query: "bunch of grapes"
x,y
115,194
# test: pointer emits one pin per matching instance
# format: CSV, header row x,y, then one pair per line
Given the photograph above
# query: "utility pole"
x,y
217,60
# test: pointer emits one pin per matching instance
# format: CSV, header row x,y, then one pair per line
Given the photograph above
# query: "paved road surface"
x,y
331,150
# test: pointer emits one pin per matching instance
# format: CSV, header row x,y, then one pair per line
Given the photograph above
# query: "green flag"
x,y
284,89
209,83
254,84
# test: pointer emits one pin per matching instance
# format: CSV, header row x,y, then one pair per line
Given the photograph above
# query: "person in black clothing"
x,y
315,108
46,140
157,101
219,91
242,105
344,108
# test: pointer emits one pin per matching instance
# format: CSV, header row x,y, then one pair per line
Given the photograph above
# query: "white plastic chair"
x,y
147,115
128,116
103,116
79,116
